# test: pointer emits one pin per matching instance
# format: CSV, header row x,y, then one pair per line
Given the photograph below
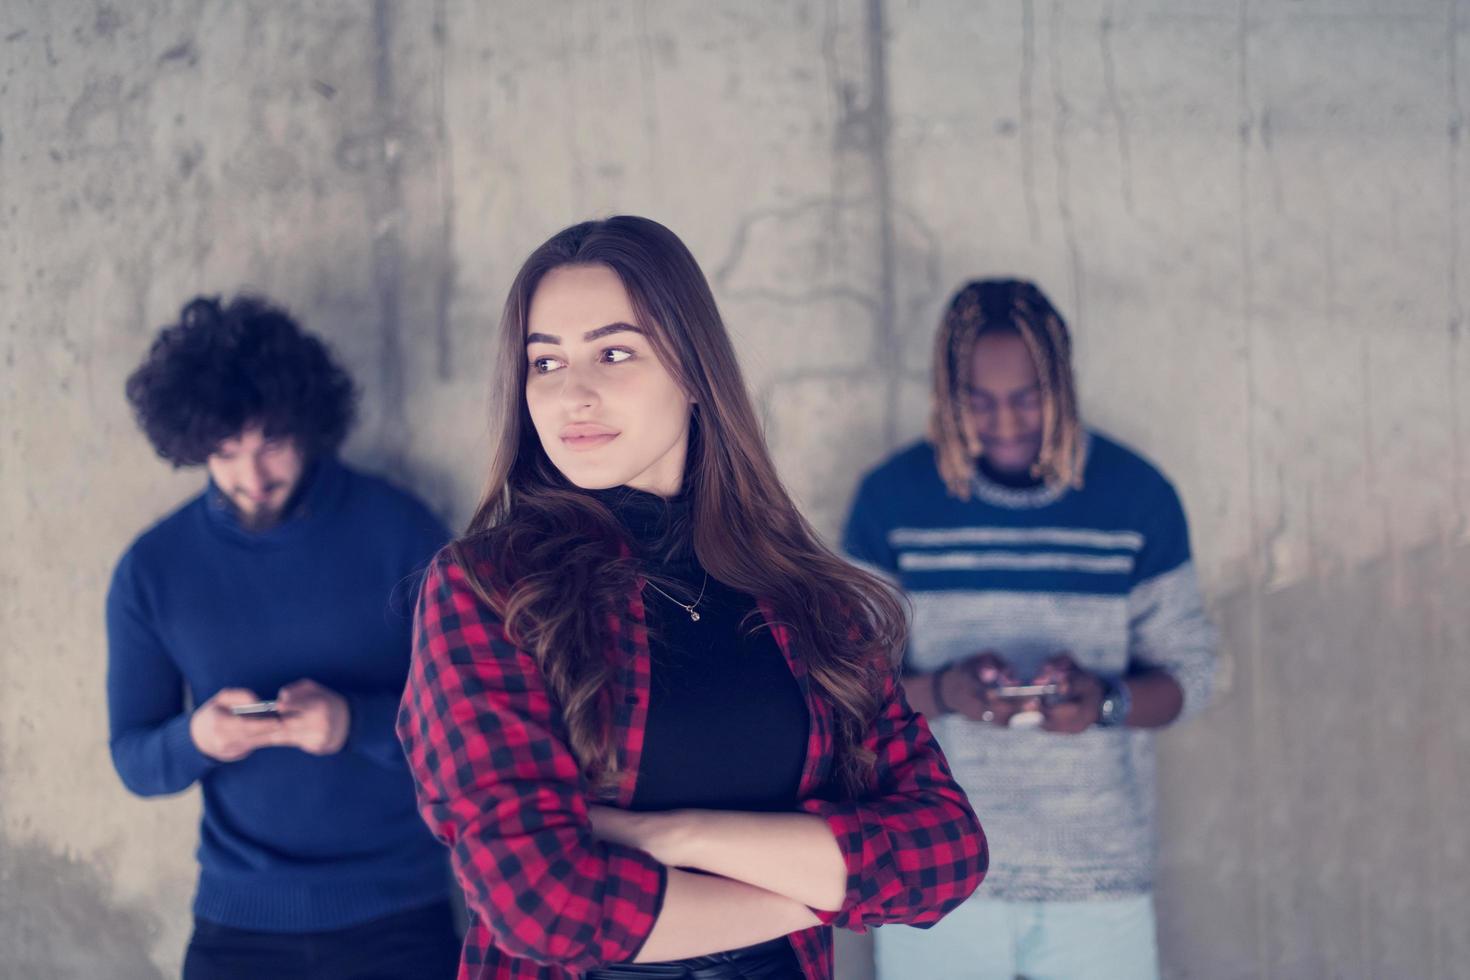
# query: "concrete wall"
x,y
1254,213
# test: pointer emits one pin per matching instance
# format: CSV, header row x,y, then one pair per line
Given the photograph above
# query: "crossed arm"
x,y
791,854
559,881
773,869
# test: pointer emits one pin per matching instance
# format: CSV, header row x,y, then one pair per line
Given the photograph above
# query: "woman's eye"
x,y
544,365
616,355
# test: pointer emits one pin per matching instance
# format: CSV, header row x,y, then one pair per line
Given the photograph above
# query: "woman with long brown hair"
x,y
656,721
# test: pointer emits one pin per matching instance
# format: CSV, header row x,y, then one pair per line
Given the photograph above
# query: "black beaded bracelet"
x,y
944,709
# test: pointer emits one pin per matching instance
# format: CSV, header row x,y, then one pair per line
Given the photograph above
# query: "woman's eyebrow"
x,y
611,328
589,336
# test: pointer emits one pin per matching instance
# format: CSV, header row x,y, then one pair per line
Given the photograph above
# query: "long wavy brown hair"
x,y
552,560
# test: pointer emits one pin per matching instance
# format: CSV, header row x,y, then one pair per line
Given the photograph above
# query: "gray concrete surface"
x,y
1254,214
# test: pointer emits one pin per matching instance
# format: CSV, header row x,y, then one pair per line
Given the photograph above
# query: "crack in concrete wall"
x,y
386,214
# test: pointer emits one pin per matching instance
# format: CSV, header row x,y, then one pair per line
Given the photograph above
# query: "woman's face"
x,y
606,409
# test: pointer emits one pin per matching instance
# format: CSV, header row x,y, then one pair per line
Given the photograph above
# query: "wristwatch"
x,y
1116,702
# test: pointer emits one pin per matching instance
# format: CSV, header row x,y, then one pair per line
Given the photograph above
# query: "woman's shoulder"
x,y
474,562
462,608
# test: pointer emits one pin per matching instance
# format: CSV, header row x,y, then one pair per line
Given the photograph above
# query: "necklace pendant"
x,y
694,615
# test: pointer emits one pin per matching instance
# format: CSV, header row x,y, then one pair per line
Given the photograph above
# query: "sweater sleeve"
x,y
1168,628
913,846
497,783
865,535
372,731
148,723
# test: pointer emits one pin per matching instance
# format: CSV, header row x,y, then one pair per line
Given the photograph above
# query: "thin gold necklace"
x,y
687,607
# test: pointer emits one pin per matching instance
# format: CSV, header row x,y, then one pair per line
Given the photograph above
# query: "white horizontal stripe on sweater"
x,y
938,537
944,561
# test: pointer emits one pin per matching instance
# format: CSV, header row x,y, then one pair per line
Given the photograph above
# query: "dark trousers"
x,y
419,944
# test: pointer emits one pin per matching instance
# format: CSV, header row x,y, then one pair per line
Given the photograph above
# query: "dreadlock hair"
x,y
1019,307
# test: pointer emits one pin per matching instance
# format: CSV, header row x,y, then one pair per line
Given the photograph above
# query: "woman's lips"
x,y
585,436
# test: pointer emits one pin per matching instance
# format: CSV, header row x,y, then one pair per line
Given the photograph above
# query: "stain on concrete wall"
x,y
60,919
1253,213
1315,827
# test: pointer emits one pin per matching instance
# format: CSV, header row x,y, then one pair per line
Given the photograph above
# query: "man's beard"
x,y
259,518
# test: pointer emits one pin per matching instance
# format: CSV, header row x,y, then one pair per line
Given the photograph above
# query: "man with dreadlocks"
x,y
1056,622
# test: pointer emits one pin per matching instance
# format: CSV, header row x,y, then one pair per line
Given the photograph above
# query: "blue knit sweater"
x,y
1102,572
289,842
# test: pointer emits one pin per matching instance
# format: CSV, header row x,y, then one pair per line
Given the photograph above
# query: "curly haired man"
x,y
258,643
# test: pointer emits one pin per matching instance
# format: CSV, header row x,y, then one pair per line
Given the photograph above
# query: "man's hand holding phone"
x,y
1078,702
226,736
314,719
968,687
304,715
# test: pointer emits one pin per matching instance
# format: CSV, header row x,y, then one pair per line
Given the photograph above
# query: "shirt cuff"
x,y
865,854
370,727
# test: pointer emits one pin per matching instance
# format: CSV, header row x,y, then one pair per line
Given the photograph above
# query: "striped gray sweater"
x,y
1103,572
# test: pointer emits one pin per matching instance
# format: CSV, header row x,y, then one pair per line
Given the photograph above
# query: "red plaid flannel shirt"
x,y
498,785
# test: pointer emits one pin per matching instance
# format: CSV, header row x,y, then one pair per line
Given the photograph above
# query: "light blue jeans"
x,y
983,939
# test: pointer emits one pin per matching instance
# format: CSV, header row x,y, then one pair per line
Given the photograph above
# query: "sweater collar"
x,y
320,489
1000,494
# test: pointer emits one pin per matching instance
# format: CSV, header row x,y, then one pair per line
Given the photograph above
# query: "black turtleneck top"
x,y
727,724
